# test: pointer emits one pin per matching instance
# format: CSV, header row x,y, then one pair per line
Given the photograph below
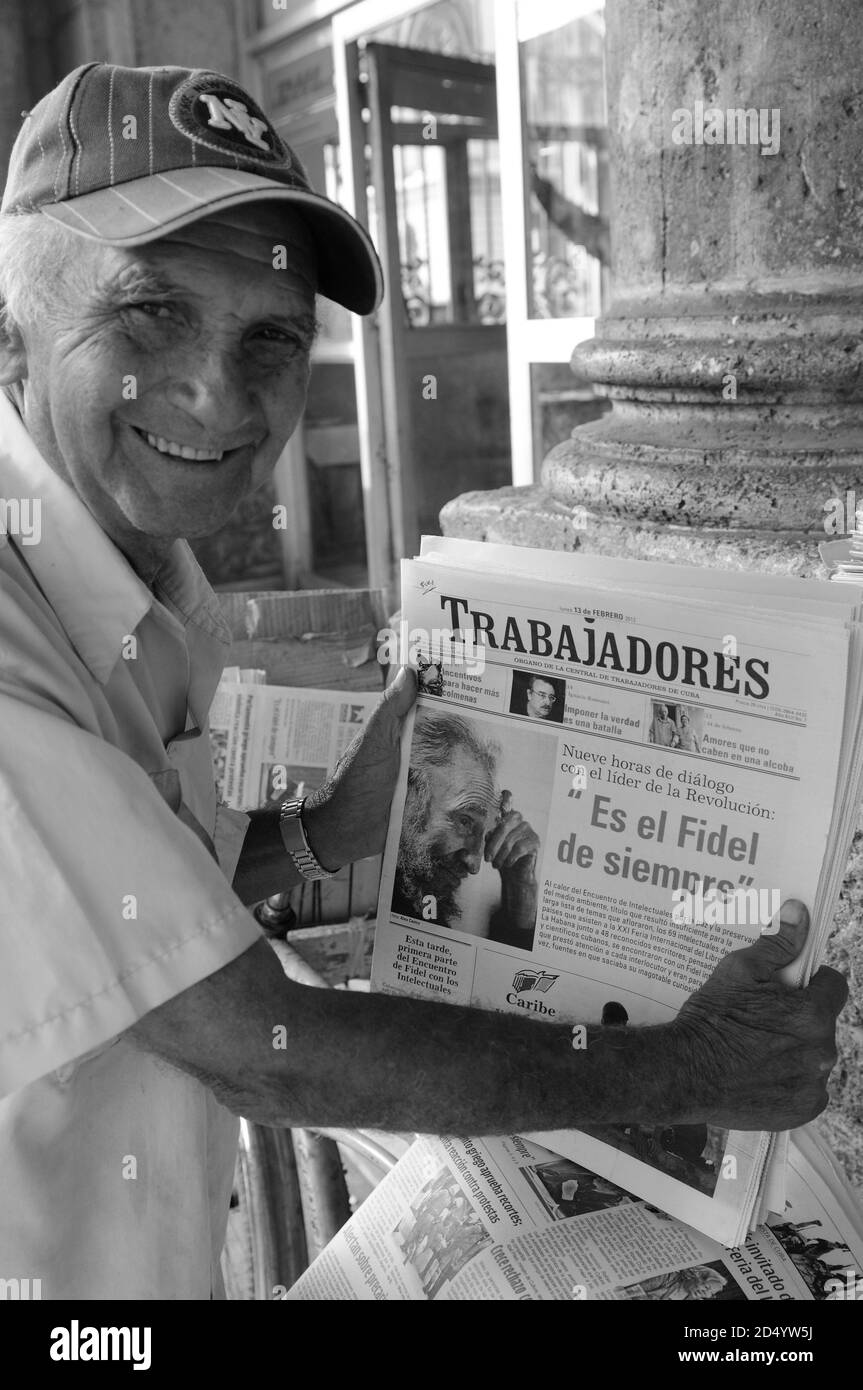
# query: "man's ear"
x,y
13,353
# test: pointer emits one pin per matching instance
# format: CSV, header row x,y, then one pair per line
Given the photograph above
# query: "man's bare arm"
x,y
746,1052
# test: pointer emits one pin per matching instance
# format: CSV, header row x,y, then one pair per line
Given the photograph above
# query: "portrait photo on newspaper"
x,y
474,824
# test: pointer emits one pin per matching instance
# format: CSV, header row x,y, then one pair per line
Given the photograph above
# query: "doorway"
x,y
431,173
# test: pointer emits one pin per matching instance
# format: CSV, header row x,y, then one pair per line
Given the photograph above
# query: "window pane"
x,y
559,403
566,148
421,199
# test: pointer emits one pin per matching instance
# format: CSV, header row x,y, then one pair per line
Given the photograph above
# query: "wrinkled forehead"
x,y
465,785
269,235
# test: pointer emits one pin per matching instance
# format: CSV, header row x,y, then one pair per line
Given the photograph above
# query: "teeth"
x,y
185,451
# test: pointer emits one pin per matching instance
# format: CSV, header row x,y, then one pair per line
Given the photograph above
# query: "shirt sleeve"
x,y
229,837
110,905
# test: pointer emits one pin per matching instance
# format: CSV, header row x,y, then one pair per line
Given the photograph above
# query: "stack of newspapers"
x,y
507,1219
683,747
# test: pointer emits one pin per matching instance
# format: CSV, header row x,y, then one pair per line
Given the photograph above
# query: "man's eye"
x,y
278,337
151,308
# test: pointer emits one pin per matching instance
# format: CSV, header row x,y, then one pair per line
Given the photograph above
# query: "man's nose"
x,y
212,388
472,853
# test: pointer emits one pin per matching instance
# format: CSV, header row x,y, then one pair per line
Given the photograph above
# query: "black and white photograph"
x,y
440,1233
567,1189
473,824
710,1282
675,724
692,1154
530,329
279,783
817,1256
430,676
537,696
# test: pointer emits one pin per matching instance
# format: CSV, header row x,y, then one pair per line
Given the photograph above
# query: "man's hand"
x,y
347,818
760,1050
511,847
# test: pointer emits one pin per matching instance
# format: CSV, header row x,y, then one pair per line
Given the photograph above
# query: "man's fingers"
x,y
401,692
385,725
774,950
499,833
520,842
830,988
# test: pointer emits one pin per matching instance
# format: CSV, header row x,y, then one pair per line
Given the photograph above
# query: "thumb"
x,y
778,948
383,730
400,693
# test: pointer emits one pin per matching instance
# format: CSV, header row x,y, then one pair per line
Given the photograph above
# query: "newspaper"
x,y
492,1219
272,742
681,762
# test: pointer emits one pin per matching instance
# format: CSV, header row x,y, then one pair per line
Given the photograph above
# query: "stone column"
x,y
731,350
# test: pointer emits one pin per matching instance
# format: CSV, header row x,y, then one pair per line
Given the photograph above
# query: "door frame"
x,y
530,341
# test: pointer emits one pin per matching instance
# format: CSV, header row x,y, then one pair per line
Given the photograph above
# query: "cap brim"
x,y
142,210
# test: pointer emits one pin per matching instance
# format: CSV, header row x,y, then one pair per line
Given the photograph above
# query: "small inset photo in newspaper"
x,y
278,782
567,1189
675,724
473,828
440,1233
816,1253
705,1282
692,1154
430,675
536,695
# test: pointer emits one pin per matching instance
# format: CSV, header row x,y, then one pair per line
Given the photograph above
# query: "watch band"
x,y
296,844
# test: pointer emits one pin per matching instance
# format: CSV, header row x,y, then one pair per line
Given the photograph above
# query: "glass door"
x,y
417,108
555,191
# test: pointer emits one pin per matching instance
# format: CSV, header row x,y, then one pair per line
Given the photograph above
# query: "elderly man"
x,y
161,252
456,819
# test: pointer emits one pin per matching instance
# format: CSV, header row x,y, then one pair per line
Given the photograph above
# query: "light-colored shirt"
x,y
115,1168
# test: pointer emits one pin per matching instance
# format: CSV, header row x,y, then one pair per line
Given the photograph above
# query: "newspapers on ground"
x,y
681,749
489,1219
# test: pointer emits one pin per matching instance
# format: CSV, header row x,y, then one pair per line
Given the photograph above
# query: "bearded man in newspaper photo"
x,y
158,301
455,820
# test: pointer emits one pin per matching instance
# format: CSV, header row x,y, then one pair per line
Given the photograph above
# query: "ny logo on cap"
x,y
226,112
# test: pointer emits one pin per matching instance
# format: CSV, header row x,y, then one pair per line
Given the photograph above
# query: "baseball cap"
x,y
126,155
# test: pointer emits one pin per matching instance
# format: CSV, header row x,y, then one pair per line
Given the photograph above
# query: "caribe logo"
x,y
226,112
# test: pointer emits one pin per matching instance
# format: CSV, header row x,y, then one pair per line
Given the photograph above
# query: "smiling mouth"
x,y
186,452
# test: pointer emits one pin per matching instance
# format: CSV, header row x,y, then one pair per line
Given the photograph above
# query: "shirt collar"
x,y
90,585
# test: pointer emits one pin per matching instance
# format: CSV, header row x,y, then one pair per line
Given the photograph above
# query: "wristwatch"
x,y
295,842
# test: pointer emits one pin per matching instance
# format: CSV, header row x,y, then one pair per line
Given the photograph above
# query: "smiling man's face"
x,y
166,381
